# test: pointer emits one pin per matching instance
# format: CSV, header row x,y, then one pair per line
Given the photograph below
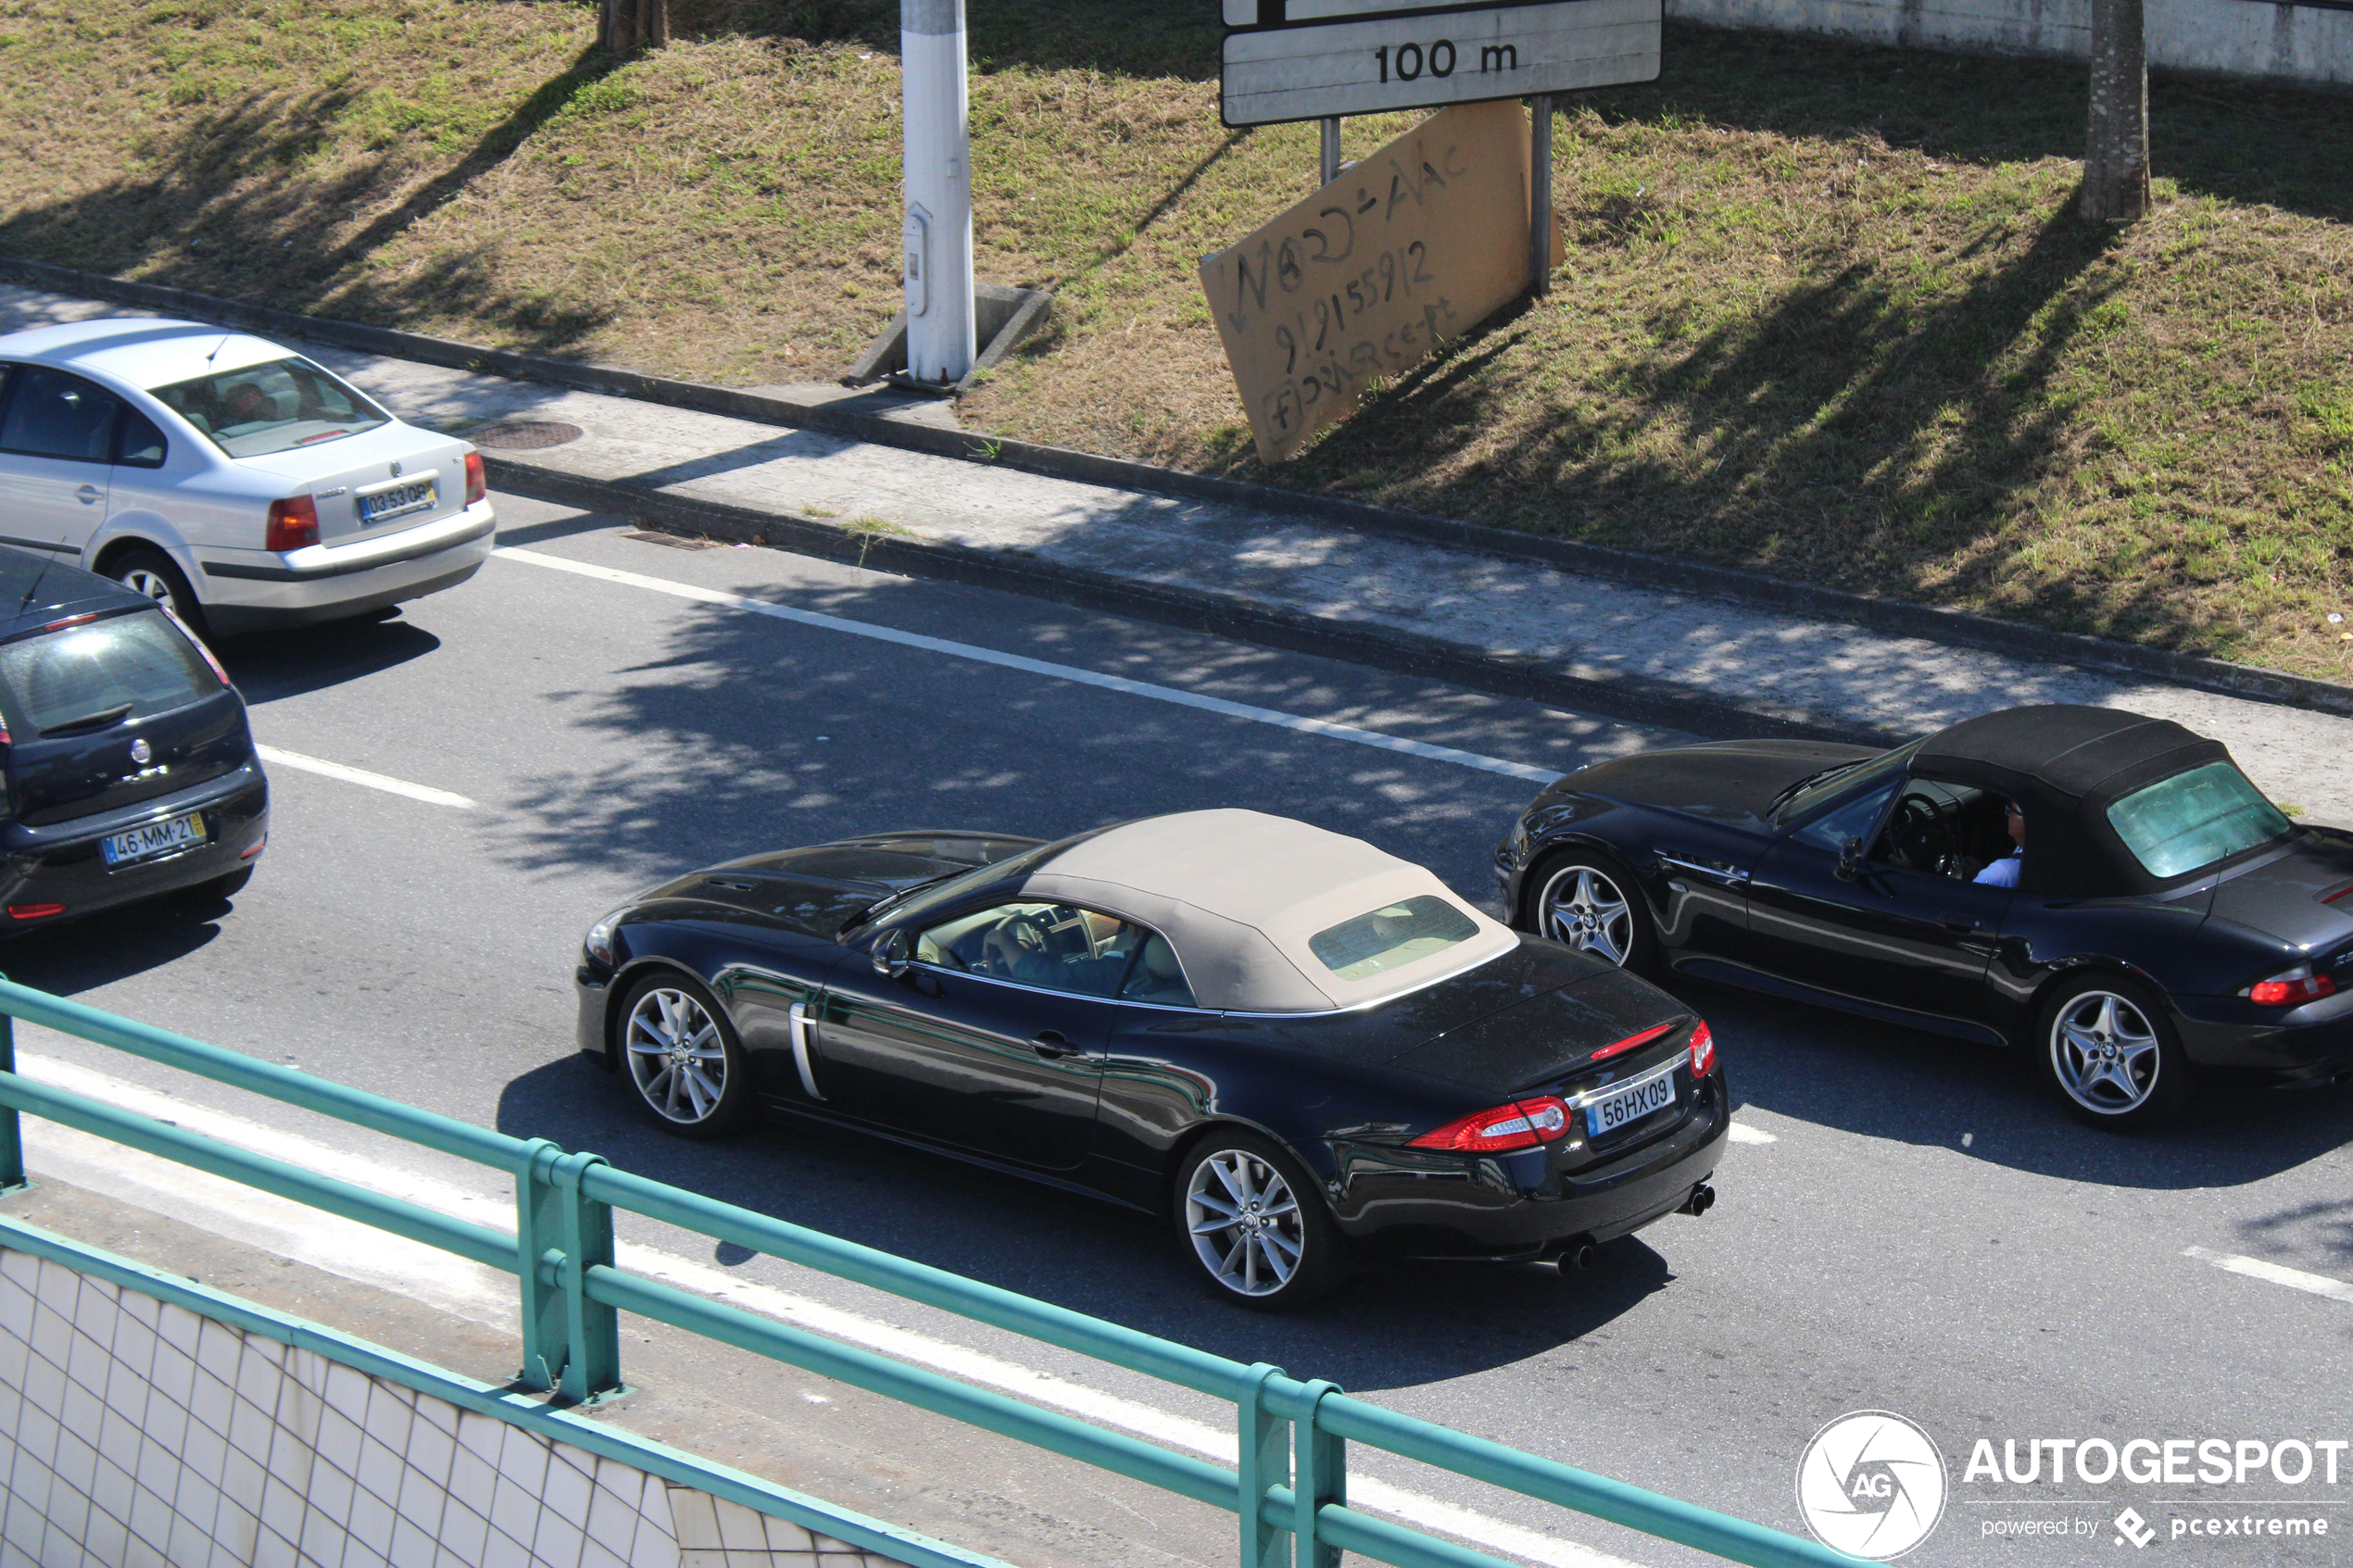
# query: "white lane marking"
x,y
425,793
360,1252
1039,667
1743,1133
2256,1268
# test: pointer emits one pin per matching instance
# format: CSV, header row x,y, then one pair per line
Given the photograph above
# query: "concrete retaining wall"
x,y
2253,39
136,1434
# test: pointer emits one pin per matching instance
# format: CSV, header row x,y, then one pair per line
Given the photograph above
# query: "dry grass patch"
x,y
1826,313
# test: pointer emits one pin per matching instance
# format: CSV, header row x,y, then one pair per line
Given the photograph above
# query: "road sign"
x,y
1306,59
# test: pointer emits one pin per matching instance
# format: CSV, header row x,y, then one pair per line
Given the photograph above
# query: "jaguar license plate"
x,y
154,840
1630,1104
397,500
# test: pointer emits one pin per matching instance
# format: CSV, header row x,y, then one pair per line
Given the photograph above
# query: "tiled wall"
x,y
135,1433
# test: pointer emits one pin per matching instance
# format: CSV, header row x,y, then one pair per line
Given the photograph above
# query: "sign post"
x,y
938,232
1540,194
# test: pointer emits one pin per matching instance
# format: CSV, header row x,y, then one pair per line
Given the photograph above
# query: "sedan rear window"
x,y
100,674
2195,819
258,409
1391,938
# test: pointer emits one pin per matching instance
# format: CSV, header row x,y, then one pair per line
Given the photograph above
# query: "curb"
x,y
1892,616
1636,699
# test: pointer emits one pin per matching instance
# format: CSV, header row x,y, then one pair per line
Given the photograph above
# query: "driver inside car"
x,y
2003,873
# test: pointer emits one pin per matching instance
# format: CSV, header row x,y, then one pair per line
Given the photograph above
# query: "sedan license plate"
x,y
397,500
1630,1104
155,839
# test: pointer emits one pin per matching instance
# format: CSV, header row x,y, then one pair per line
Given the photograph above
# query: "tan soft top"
x,y
1238,894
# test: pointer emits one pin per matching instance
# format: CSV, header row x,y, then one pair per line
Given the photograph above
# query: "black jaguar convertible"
x,y
2108,890
1298,1046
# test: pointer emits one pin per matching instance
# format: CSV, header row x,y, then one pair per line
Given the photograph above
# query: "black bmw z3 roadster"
x,y
1301,1048
2108,890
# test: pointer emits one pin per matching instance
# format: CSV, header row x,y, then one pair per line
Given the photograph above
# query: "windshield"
x,y
1391,937
926,896
94,676
258,409
2195,819
1834,781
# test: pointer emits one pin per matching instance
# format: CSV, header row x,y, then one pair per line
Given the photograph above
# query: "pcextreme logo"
x,y
1872,1484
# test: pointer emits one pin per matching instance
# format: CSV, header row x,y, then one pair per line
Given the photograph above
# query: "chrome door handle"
x,y
1953,921
800,1020
89,494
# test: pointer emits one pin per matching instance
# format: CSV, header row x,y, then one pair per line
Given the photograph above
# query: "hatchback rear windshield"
x,y
90,678
2195,819
1391,938
258,409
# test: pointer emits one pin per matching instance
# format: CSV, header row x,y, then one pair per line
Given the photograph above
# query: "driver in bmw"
x,y
2004,872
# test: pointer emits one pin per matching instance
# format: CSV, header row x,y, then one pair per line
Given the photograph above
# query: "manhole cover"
x,y
525,436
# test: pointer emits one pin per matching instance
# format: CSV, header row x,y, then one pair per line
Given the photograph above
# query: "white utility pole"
x,y
939,231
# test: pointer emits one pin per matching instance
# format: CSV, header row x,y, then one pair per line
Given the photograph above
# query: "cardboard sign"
x,y
1415,245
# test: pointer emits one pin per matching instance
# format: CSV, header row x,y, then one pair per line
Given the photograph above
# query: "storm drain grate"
x,y
525,436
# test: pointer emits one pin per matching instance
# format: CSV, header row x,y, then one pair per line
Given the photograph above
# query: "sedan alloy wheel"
x,y
681,1058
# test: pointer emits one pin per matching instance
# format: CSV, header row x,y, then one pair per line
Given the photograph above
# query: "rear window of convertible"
x,y
1391,938
2195,819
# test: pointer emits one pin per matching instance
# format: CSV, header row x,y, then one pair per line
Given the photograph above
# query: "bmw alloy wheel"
x,y
676,1055
1245,1223
1583,909
2105,1052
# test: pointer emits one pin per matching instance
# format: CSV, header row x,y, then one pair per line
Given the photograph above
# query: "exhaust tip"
x,y
1702,1200
1579,1256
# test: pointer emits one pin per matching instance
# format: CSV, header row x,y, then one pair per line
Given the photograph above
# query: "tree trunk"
x,y
624,26
2116,151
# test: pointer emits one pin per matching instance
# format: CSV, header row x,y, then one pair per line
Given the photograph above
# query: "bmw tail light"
x,y
477,479
1703,1050
294,523
1513,1124
2291,986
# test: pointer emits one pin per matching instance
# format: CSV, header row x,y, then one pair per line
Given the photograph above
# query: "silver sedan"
x,y
228,477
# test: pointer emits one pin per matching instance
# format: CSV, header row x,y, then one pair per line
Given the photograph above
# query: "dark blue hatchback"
x,y
128,769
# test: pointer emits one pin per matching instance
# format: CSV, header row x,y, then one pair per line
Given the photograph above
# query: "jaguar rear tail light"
x,y
1513,1124
294,522
477,479
1627,1044
1703,1050
2289,987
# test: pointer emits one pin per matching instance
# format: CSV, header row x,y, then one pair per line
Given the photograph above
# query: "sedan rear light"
x,y
34,911
1703,1050
1513,1125
477,479
294,523
2291,986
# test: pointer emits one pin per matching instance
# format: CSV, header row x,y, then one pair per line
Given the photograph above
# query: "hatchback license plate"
x,y
400,500
155,839
1631,1104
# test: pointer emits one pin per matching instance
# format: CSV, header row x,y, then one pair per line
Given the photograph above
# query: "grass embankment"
x,y
1826,312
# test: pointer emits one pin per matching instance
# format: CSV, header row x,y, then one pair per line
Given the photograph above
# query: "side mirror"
x,y
890,955
1850,859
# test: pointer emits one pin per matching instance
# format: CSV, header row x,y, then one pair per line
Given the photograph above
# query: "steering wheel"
x,y
1922,827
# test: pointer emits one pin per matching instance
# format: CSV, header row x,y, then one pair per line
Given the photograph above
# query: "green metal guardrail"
x,y
1290,1490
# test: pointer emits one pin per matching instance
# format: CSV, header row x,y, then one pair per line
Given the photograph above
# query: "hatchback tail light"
x,y
294,523
2291,986
1703,1050
477,479
1513,1124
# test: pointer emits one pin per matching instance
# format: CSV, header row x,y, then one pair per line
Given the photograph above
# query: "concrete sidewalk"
x,y
1519,615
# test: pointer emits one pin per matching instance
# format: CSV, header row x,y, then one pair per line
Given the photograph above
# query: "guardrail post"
x,y
12,1177
592,1329
1266,1461
539,1239
1320,1475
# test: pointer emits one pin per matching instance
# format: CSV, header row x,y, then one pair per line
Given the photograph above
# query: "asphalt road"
x,y
1923,1233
